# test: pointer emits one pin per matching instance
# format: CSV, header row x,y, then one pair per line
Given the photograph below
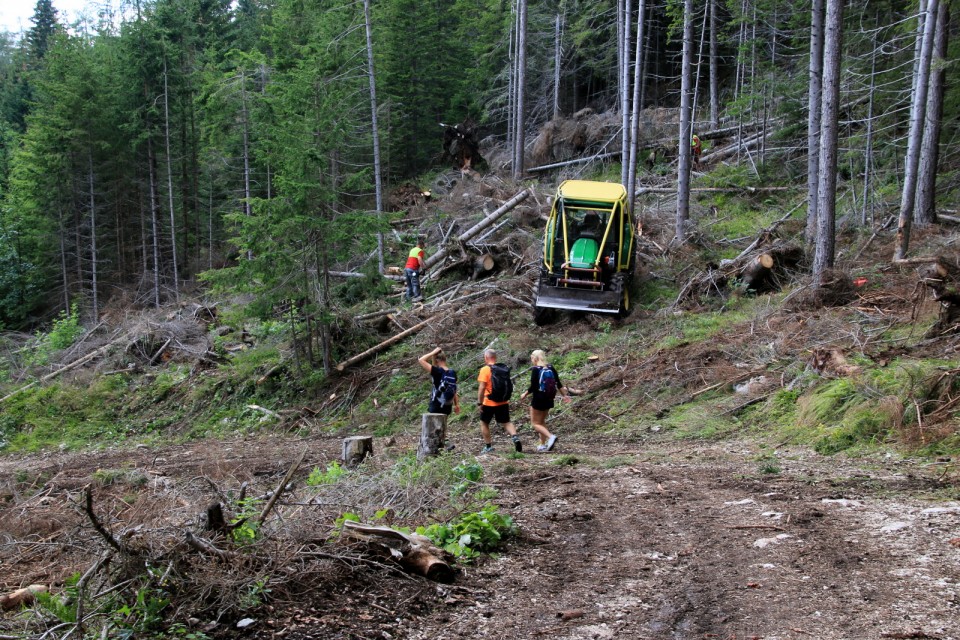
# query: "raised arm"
x,y
424,360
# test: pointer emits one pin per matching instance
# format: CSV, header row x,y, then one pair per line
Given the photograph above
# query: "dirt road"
x,y
672,541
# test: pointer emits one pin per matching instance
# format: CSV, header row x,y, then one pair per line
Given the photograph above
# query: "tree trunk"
x,y
356,449
868,150
360,357
683,171
93,242
814,96
830,108
433,432
377,177
635,114
173,224
714,64
930,147
915,137
624,29
521,90
154,206
557,58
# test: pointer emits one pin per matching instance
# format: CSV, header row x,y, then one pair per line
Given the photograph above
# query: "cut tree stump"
x,y
356,449
433,432
943,278
21,597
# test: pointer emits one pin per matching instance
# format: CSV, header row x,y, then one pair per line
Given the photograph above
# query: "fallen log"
x,y
483,264
73,365
21,597
360,357
480,226
414,552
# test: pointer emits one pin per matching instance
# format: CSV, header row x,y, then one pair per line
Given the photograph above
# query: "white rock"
x,y
894,526
738,502
246,622
841,502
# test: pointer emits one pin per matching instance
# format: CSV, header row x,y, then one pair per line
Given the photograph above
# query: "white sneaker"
x,y
542,448
550,442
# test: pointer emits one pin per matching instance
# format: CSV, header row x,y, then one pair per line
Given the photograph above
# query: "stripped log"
x,y
480,226
414,552
21,597
482,265
360,357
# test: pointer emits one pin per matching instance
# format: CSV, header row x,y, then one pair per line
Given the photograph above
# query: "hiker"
x,y
697,147
544,385
412,270
493,398
444,398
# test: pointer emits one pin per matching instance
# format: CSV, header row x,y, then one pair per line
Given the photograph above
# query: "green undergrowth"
x,y
877,407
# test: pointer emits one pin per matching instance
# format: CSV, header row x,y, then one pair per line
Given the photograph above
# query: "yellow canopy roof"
x,y
593,191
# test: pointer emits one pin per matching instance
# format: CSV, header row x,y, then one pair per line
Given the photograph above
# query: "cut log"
x,y
417,553
433,432
480,226
356,449
375,315
360,357
21,597
756,275
483,265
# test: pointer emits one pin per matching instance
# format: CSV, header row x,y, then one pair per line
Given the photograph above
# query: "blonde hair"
x,y
539,358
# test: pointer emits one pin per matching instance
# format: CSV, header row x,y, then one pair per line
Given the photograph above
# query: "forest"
x,y
212,385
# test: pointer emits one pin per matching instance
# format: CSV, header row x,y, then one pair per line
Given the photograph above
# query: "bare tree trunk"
x,y
683,171
557,58
714,64
63,260
155,230
247,193
915,137
930,147
696,81
521,87
377,178
868,151
635,115
814,95
624,28
173,224
830,106
93,241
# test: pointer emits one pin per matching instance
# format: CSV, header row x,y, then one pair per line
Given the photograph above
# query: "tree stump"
x,y
483,265
22,597
943,279
356,449
433,431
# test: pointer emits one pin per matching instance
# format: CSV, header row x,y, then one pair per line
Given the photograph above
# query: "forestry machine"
x,y
587,251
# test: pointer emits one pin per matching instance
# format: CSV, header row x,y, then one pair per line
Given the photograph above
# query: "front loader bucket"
x,y
571,299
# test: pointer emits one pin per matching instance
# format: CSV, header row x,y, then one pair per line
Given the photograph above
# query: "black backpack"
x,y
501,385
447,389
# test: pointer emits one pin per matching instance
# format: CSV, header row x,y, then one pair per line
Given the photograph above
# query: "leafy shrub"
x,y
471,533
330,475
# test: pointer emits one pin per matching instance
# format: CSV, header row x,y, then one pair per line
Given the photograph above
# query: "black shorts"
x,y
541,404
501,413
436,407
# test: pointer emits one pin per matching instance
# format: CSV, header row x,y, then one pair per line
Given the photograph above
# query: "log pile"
x,y
761,271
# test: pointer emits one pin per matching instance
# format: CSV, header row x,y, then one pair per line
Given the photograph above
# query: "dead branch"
x,y
106,535
207,547
383,345
281,487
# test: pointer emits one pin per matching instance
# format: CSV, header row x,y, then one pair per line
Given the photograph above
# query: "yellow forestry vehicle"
x,y
587,251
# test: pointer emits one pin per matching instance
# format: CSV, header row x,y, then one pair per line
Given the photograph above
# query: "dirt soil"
x,y
622,540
